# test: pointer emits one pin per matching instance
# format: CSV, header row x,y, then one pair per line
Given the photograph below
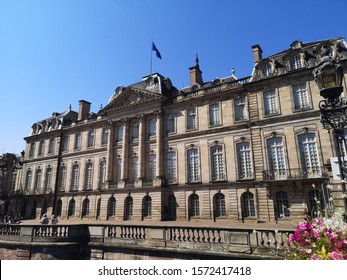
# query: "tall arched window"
x,y
48,179
128,208
282,205
193,165
276,158
62,179
309,154
102,171
219,205
38,180
72,208
98,208
28,180
194,207
85,207
147,206
111,208
172,206
247,205
244,161
217,163
75,177
59,207
89,176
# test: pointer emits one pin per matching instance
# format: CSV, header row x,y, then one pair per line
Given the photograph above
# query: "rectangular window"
x,y
270,103
215,118
217,163
170,123
276,158
48,179
91,138
118,169
65,143
105,133
78,141
191,119
193,165
51,146
134,169
240,109
152,126
309,154
244,159
171,167
300,96
295,62
32,150
151,167
120,132
135,130
41,148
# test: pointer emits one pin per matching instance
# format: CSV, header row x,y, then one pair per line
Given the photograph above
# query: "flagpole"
x,y
150,70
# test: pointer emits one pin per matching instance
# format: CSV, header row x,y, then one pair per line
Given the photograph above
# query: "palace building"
x,y
232,150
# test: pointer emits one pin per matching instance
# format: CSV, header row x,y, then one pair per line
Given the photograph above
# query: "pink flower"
x,y
314,257
336,256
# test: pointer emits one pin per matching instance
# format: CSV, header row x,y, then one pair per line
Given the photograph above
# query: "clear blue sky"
x,y
55,53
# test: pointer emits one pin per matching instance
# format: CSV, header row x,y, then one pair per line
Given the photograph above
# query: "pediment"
x,y
132,97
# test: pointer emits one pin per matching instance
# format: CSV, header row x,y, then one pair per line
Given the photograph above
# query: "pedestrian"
x,y
11,220
54,220
44,219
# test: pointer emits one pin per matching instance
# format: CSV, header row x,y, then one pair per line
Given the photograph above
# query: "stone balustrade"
x,y
258,243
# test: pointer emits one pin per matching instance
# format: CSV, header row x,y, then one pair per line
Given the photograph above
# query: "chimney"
x,y
84,109
195,73
257,53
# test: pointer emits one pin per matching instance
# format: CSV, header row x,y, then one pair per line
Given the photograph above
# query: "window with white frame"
x,y
281,205
78,140
276,158
152,159
134,169
135,130
65,143
118,169
28,180
120,133
63,175
32,150
75,177
295,62
240,109
309,154
193,165
171,167
51,146
38,179
194,206
215,114
247,205
89,176
219,205
85,207
147,206
267,70
48,179
270,102
170,123
105,133
112,207
41,148
191,118
244,160
217,163
153,126
300,96
91,138
102,171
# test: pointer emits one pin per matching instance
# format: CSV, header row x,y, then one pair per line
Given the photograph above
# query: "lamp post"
x,y
333,109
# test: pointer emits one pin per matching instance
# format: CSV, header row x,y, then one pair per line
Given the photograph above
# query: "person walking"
x,y
44,219
54,220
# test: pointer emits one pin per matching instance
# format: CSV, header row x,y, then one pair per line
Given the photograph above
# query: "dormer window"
x,y
267,70
295,62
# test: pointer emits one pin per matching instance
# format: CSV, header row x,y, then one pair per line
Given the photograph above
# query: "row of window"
x,y
281,206
277,165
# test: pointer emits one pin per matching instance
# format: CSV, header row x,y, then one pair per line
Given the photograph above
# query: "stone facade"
x,y
230,150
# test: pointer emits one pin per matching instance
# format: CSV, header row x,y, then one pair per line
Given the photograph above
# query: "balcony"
x,y
294,174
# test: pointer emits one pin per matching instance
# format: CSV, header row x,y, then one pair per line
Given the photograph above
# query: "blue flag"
x,y
154,48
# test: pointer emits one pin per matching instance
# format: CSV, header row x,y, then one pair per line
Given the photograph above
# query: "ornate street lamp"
x,y
333,109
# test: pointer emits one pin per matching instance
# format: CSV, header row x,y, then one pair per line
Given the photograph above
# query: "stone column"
x,y
110,153
125,151
159,149
142,148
